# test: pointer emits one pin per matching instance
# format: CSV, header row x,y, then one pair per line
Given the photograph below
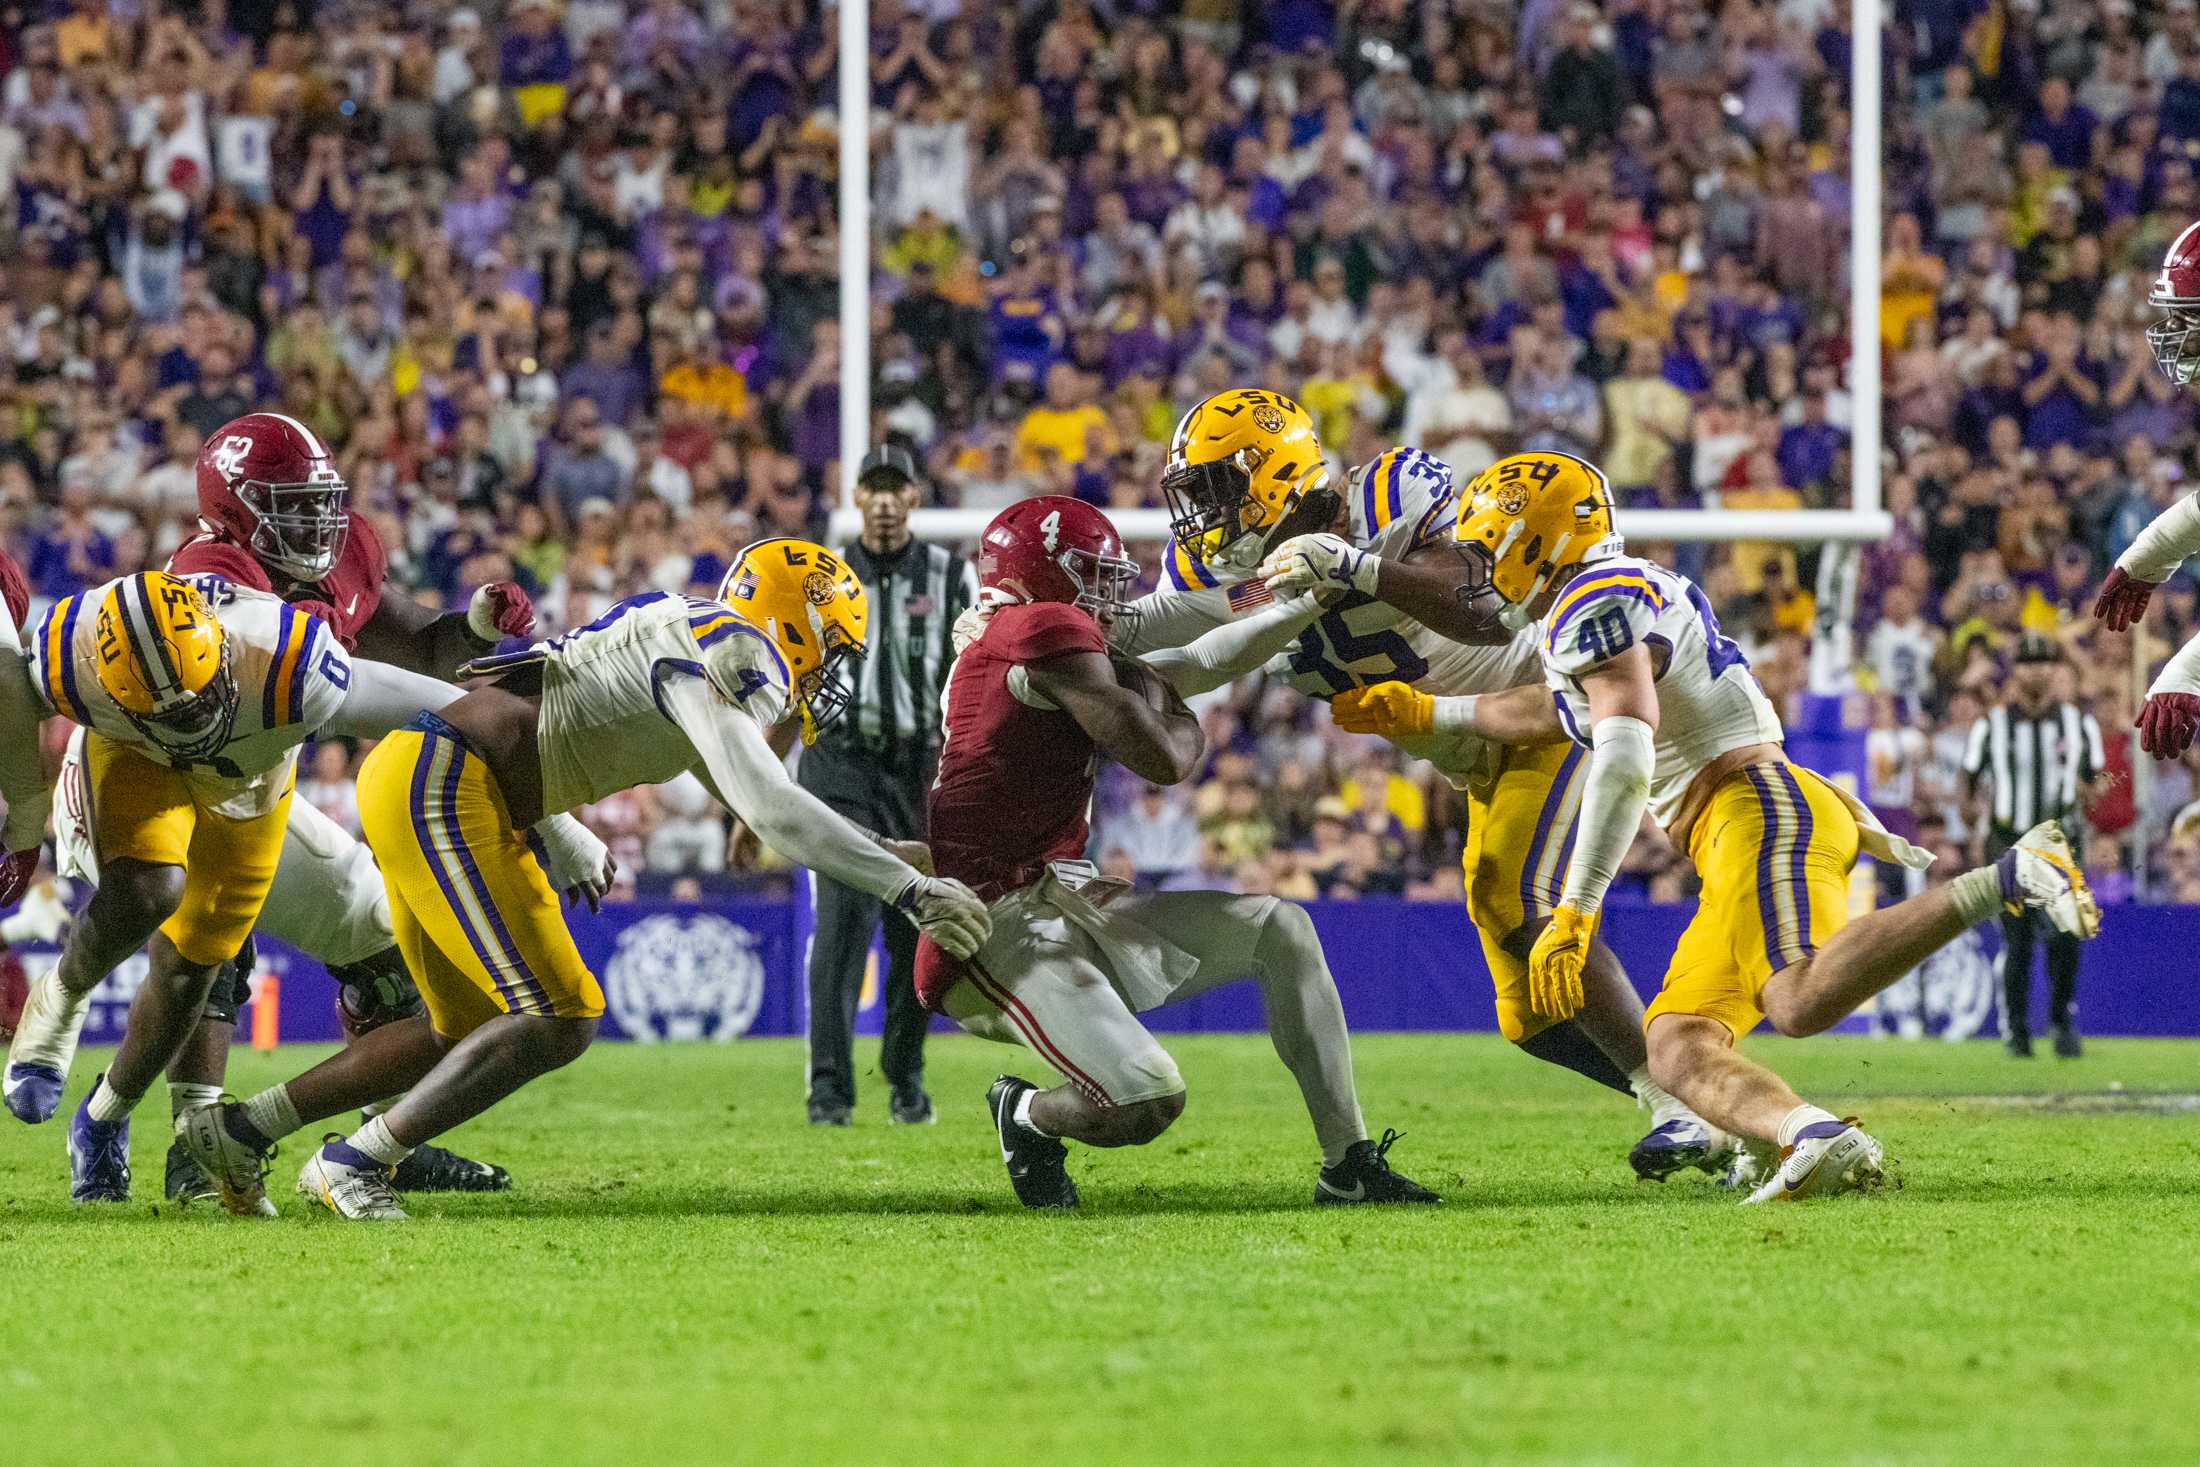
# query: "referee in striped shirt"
x,y
874,764
2031,758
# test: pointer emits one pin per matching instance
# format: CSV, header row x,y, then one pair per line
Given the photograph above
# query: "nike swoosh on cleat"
x,y
1357,1194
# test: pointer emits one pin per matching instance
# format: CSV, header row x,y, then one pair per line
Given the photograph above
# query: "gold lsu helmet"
x,y
1533,515
164,660
1241,463
815,611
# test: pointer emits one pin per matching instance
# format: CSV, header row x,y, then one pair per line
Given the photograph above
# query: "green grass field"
x,y
685,1272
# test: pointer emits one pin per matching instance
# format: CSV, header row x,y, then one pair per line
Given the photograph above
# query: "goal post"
x,y
1865,517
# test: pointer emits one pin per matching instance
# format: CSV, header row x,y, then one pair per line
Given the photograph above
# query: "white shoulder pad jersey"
x,y
1404,501
602,728
1708,700
291,674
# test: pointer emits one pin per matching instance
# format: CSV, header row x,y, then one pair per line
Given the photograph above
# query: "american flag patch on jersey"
x,y
1249,595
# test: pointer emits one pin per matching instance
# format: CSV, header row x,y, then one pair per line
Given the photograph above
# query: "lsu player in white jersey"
x,y
657,686
1637,672
196,700
1399,512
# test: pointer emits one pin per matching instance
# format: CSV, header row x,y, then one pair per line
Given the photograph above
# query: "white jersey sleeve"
x,y
1601,614
1708,700
1401,501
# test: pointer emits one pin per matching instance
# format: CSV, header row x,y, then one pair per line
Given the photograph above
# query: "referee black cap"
x,y
888,458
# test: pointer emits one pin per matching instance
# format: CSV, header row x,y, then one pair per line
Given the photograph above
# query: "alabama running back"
x,y
1032,705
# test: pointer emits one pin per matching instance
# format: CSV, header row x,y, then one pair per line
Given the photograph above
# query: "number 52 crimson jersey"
x,y
291,677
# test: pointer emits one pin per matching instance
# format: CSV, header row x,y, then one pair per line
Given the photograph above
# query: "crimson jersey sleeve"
x,y
211,555
1042,629
15,588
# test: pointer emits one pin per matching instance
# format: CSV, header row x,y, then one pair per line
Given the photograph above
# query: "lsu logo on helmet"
x,y
164,661
1240,463
814,610
1534,514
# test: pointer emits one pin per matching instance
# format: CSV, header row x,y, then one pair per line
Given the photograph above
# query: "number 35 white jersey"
x,y
1708,700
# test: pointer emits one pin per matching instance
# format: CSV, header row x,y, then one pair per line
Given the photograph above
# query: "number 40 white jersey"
x,y
1708,700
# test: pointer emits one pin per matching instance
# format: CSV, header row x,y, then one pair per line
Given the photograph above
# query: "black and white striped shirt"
x,y
916,594
2035,763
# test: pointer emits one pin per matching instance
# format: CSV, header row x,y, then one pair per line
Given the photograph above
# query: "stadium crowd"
x,y
559,280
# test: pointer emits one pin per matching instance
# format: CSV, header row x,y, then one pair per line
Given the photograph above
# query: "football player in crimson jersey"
x,y
274,517
1033,703
42,916
2172,710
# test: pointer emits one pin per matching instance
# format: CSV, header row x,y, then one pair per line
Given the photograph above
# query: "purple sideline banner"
x,y
720,970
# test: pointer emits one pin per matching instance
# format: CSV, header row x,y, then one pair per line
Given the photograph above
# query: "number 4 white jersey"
x,y
1708,700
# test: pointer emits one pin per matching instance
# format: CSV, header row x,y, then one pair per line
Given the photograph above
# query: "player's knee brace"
x,y
375,991
232,988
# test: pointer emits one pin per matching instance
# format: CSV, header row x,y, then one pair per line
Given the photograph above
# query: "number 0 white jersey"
x,y
1404,500
1708,700
291,673
603,727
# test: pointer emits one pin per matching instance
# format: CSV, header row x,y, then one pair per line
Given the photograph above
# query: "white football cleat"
x,y
239,1168
2041,872
43,1049
1827,1157
43,916
357,1193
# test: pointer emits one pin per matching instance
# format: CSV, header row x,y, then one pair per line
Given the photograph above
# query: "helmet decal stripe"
x,y
314,445
146,643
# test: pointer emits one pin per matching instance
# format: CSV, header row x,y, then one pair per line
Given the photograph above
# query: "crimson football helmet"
x,y
1055,548
269,482
2175,336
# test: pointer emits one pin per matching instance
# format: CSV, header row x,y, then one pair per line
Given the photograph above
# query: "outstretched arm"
x,y
1444,587
1623,725
382,698
1154,737
409,635
1235,650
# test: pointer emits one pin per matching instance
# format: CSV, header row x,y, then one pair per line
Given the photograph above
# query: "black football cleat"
x,y
2067,1043
832,1113
1037,1165
432,1169
2019,1044
1365,1176
187,1181
910,1106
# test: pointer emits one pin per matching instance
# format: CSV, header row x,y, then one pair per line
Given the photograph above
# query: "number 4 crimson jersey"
x,y
1015,779
345,598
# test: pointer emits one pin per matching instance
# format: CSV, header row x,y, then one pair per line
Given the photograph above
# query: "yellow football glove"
x,y
1555,963
1392,709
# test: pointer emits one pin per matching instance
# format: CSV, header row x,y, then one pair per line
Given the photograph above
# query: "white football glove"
x,y
970,626
577,863
947,912
1318,563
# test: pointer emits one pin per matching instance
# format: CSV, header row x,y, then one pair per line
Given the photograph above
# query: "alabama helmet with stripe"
x,y
164,660
2175,334
269,483
813,607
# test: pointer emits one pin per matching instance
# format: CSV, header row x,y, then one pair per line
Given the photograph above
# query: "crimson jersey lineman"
x,y
345,598
1015,780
